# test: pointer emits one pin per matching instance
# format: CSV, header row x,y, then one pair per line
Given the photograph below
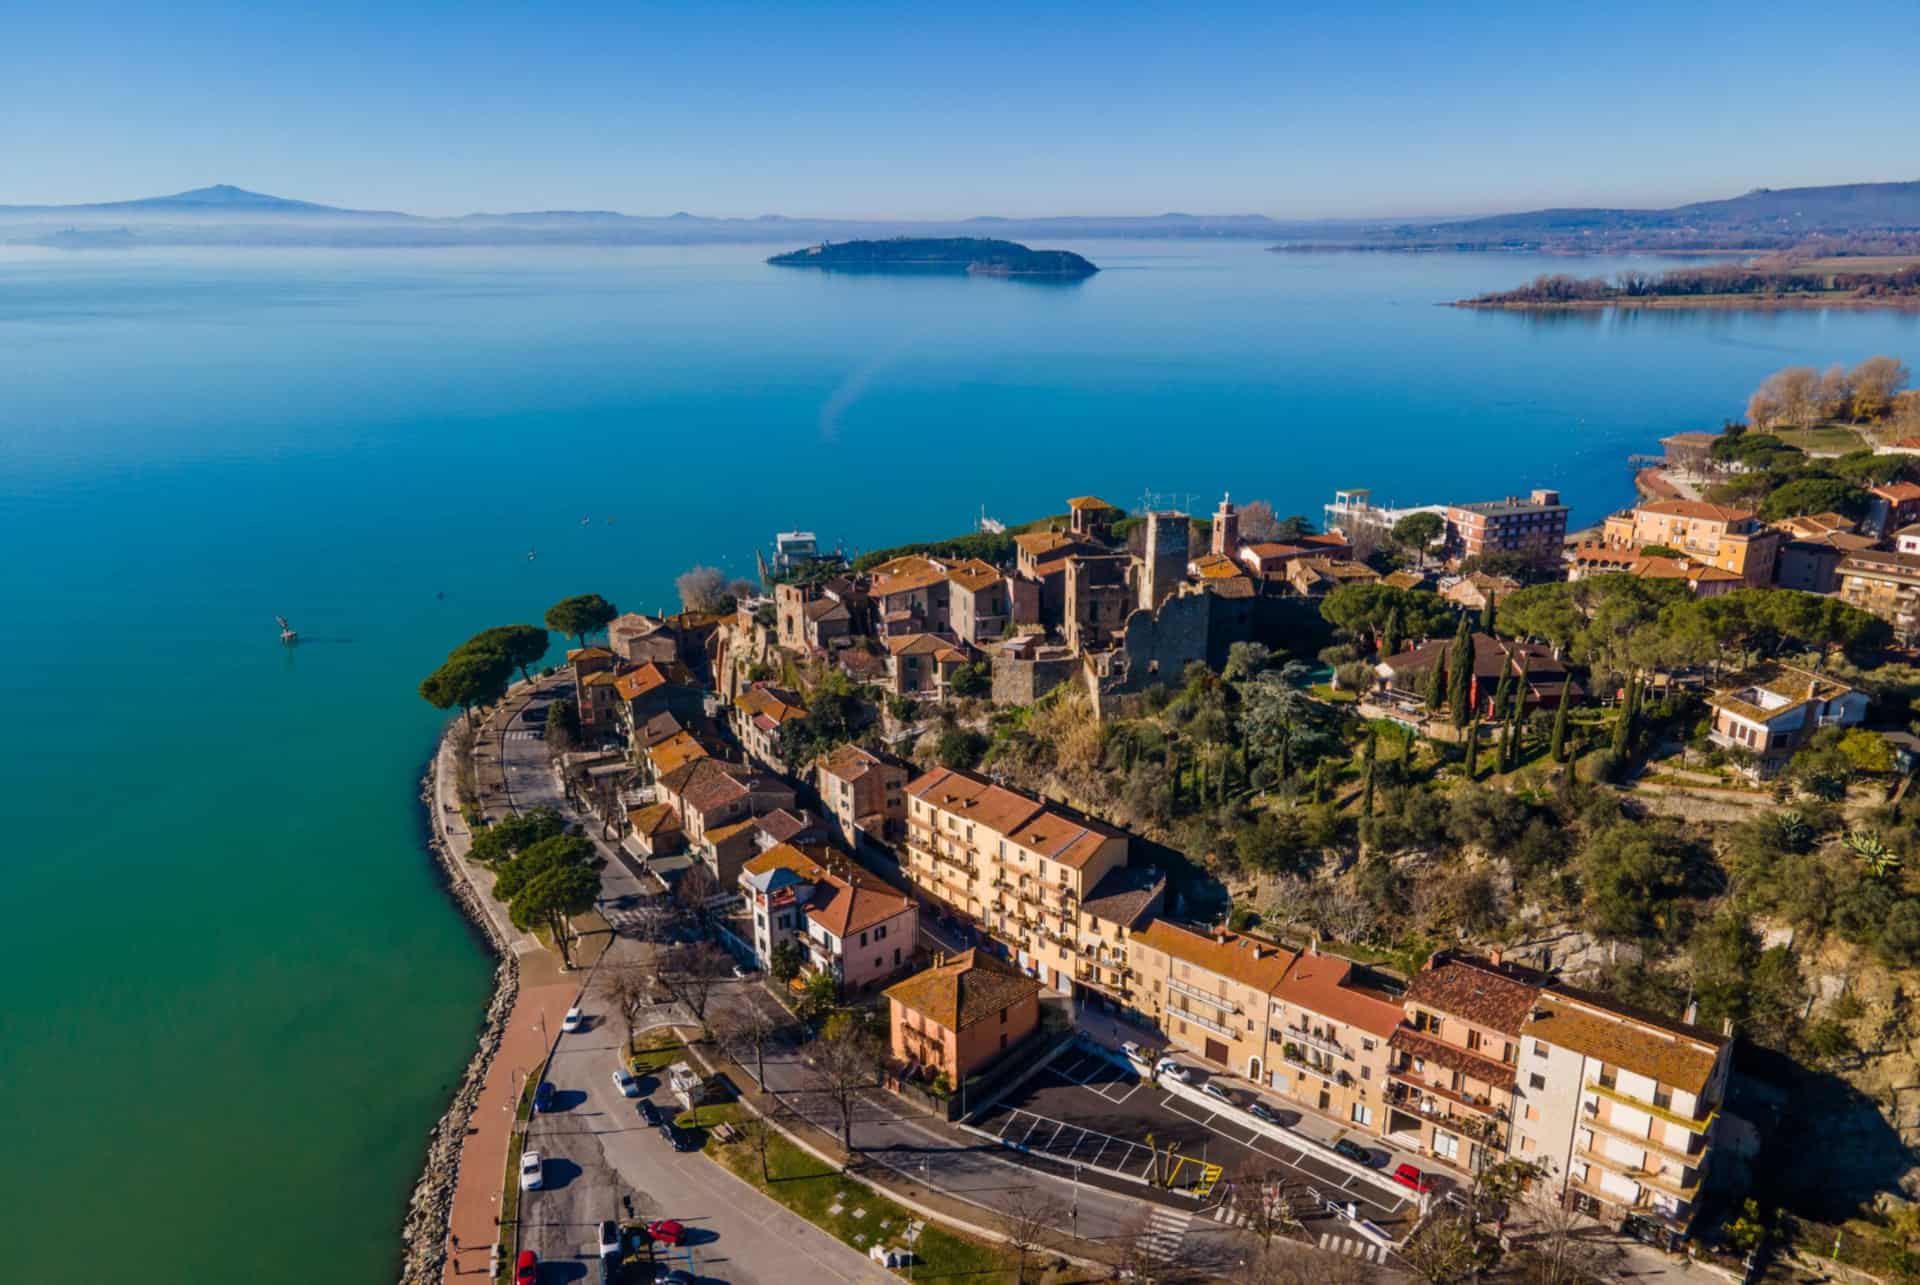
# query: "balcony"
x,y
1293,1055
1590,1118
1206,997
1303,1036
1680,1187
1204,1023
1657,1112
1401,1088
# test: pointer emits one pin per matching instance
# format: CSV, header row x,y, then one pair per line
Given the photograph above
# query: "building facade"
x,y
1773,710
960,1016
1534,527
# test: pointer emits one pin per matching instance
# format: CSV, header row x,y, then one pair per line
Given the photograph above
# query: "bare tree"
x,y
1344,914
1265,1203
651,917
846,1063
695,887
1257,522
628,988
758,1135
745,1032
1447,1248
1287,900
1876,382
703,589
1559,1246
1026,1215
689,972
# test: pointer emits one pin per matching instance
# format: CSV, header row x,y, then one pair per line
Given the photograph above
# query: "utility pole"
x,y
1076,1202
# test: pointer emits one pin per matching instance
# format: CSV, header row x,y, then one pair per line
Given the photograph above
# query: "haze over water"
x,y
239,997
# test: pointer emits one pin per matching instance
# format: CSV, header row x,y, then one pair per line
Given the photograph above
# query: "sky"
x,y
954,109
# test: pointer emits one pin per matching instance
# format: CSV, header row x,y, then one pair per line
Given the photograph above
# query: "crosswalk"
x,y
1166,1229
1352,1248
519,734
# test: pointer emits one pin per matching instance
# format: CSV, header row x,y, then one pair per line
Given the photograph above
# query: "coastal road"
x,y
599,1155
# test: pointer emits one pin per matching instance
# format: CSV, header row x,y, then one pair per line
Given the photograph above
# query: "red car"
x,y
1408,1176
667,1232
526,1271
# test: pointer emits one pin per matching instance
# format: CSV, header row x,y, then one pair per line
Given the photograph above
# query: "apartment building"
x,y
1890,507
1211,993
1014,866
864,795
1886,584
959,1016
1450,1082
1534,527
1718,535
1332,1027
851,925
756,717
1772,711
1619,1107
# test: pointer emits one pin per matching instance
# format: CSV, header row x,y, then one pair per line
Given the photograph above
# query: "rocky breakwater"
x,y
424,1230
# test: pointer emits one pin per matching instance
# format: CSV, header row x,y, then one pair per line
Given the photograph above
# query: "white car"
x,y
1213,1090
623,1080
1134,1054
1173,1070
575,1020
531,1170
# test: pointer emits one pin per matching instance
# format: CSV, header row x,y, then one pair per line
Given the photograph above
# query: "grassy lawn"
x,y
826,1198
658,1051
510,1192
1326,693
1828,439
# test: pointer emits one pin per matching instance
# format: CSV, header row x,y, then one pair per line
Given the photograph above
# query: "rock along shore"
x,y
425,1229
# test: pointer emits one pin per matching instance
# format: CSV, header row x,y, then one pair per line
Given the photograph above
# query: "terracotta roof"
x,y
1407,1040
1058,837
1258,964
599,678
850,762
925,645
1038,544
1771,691
1124,894
770,702
1659,568
636,683
1495,996
1490,655
675,752
974,798
783,826
1232,587
844,906
1896,492
1672,1053
706,783
904,574
589,653
784,856
1089,502
1882,564
1814,525
1699,509
1404,579
655,818
1906,444
1214,566
1321,984
823,609
971,987
974,575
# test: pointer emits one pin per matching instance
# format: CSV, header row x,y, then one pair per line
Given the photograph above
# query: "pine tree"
x,y
1460,671
1473,746
1556,746
1390,636
1486,615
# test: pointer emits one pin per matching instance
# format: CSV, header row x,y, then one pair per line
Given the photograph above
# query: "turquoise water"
x,y
237,997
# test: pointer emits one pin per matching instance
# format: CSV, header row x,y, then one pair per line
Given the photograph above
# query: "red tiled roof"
x,y
1702,510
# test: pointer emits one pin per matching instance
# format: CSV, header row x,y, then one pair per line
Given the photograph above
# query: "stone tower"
x,y
1226,529
1164,563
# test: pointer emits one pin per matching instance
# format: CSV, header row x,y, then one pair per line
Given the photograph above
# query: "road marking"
x,y
1165,1231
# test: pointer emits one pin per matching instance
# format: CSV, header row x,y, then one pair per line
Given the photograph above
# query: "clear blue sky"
x,y
937,110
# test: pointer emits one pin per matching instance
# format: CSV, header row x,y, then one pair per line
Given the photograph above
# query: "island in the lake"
x,y
979,255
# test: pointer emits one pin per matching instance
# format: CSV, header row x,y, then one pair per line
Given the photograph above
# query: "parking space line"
x,y
1037,1122
1103,1149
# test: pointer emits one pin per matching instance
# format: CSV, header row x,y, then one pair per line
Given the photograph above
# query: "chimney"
x,y
1693,1012
1495,955
1726,1027
1313,946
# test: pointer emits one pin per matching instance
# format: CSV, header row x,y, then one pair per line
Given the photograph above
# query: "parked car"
x,y
1352,1150
543,1096
667,1232
575,1020
609,1237
742,972
1408,1176
1213,1089
526,1268
1261,1111
664,1275
649,1114
682,1139
531,1171
1135,1055
1173,1070
623,1080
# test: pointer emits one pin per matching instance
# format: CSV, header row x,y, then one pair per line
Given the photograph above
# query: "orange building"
x,y
958,1016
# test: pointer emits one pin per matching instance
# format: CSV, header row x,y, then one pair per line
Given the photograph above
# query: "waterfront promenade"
x,y
543,995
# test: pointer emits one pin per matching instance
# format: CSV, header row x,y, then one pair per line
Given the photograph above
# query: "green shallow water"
x,y
237,996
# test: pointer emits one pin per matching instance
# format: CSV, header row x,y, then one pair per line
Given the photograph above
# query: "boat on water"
x,y
991,526
288,634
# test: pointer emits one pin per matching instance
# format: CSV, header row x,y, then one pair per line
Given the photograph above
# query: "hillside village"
x,y
1485,838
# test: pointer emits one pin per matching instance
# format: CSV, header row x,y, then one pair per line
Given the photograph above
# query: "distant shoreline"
x,y
1731,302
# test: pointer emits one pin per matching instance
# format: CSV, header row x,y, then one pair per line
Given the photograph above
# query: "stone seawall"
x,y
424,1232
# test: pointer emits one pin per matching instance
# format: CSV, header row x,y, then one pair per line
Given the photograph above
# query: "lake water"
x,y
236,995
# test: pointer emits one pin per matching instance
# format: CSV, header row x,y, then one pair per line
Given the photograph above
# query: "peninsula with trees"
x,y
1778,282
979,256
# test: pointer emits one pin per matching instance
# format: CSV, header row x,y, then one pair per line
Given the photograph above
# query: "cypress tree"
x,y
1436,685
1473,746
1517,704
1366,793
1390,636
1486,615
1460,671
1623,721
1557,745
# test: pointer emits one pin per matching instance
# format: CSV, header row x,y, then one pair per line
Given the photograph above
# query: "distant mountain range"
x,y
227,215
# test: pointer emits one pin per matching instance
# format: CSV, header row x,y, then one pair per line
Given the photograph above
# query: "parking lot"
x,y
1086,1109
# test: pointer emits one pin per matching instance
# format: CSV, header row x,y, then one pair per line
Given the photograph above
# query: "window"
x,y
1003,1038
1366,1045
863,939
880,933
1473,1040
1362,1113
1537,1081
896,956
1539,1049
1445,1145
1366,1073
